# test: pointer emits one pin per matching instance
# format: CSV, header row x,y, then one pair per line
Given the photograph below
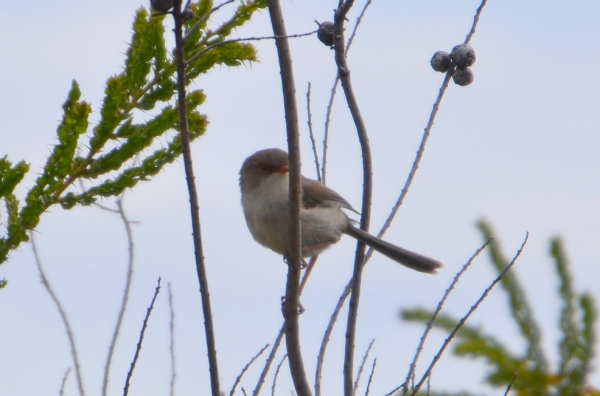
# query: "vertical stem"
x,y
290,308
361,129
194,207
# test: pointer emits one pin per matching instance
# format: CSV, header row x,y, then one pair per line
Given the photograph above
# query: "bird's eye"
x,y
263,168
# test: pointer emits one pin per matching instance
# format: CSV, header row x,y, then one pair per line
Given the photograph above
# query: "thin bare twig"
x,y
371,377
365,220
196,26
334,89
291,304
426,132
416,162
141,339
277,342
464,318
511,383
239,377
125,299
326,133
64,382
269,361
362,365
390,393
358,21
310,133
276,374
327,336
188,2
475,21
413,364
172,339
63,316
220,43
193,194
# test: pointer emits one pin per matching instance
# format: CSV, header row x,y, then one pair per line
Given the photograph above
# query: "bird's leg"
x,y
286,259
301,308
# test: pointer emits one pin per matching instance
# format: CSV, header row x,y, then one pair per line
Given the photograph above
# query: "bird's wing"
x,y
321,196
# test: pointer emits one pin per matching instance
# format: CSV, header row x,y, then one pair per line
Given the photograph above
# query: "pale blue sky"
x,y
518,147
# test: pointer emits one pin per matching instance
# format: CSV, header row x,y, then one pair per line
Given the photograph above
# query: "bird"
x,y
264,185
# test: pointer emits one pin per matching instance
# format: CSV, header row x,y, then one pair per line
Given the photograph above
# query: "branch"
x,y
327,336
475,21
413,364
310,133
210,47
426,132
172,339
464,318
239,377
121,314
371,377
263,375
511,383
276,374
269,361
361,129
64,382
139,344
197,25
63,316
362,365
290,307
194,207
334,88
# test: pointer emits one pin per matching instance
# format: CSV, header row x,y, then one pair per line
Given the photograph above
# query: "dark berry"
x,y
440,62
463,56
161,5
325,33
463,77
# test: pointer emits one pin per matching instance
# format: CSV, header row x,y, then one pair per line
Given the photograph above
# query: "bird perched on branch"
x,y
264,182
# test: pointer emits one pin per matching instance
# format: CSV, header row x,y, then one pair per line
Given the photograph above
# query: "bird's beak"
x,y
283,169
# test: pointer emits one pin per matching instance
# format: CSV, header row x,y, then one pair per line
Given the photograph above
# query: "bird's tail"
x,y
402,256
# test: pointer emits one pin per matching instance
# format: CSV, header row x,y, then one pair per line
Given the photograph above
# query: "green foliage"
x,y
117,152
534,376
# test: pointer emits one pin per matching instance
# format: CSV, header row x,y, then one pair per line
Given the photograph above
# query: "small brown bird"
x,y
264,182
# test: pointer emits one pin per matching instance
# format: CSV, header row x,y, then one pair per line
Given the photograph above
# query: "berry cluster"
x,y
462,56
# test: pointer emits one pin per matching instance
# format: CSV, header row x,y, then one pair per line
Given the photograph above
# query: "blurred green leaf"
x,y
138,114
576,346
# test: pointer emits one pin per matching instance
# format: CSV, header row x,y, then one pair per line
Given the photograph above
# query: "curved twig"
x,y
310,133
361,129
63,316
334,89
125,299
239,377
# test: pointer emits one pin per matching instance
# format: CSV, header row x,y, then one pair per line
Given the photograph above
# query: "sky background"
x,y
519,147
